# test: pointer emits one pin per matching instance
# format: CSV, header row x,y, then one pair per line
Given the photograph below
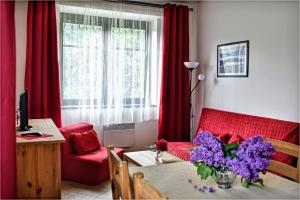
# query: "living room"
x,y
226,70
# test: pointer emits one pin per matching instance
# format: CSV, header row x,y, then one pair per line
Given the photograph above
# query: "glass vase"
x,y
159,156
225,179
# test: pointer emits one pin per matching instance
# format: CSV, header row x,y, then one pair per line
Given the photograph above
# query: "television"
x,y
23,107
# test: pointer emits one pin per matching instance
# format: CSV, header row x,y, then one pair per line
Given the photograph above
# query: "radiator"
x,y
119,135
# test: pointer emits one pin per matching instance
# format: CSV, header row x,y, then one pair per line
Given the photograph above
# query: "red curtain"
x,y
174,118
42,70
8,99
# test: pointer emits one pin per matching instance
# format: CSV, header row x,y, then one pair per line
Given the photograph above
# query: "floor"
x,y
73,190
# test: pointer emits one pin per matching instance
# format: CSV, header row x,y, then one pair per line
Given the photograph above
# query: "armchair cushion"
x,y
67,147
85,142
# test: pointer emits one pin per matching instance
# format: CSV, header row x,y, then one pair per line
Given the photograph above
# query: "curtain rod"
x,y
140,3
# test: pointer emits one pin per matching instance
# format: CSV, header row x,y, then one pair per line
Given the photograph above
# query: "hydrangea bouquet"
x,y
247,159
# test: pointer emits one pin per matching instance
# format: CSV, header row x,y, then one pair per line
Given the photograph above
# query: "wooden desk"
x,y
172,181
147,158
38,162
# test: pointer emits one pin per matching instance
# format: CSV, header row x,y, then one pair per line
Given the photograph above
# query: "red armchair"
x,y
89,169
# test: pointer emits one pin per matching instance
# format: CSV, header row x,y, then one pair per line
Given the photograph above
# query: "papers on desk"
x,y
31,137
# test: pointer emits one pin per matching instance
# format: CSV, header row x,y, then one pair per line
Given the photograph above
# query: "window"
x,y
108,62
71,48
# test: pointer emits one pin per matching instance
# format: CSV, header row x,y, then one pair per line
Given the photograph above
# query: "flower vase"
x,y
225,179
159,156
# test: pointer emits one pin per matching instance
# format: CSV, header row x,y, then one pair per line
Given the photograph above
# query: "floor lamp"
x,y
191,66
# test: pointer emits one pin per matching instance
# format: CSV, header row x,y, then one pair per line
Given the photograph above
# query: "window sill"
x,y
65,107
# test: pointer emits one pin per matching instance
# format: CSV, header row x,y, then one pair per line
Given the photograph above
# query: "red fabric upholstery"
x,y
85,142
221,122
89,169
180,149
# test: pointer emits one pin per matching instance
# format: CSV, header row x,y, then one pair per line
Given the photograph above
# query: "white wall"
x,y
272,88
21,34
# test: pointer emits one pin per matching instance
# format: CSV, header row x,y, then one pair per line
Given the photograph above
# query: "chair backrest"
x,y
144,190
119,176
282,168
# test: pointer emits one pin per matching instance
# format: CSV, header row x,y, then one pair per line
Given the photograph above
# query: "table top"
x,y
172,181
45,126
147,158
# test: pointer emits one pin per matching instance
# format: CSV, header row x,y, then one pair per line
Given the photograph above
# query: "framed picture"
x,y
233,59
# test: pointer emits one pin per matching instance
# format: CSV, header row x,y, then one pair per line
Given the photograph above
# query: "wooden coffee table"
x,y
147,158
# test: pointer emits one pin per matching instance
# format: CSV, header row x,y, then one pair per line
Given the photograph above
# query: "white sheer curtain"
x,y
110,58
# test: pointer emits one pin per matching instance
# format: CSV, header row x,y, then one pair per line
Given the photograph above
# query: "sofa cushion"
x,y
180,149
224,138
85,142
67,131
235,138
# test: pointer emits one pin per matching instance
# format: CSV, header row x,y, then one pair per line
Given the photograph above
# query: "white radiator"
x,y
119,135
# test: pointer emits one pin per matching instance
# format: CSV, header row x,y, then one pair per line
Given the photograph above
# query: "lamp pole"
x,y
191,112
191,66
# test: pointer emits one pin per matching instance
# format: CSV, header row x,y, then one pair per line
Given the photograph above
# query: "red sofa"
x,y
221,122
89,169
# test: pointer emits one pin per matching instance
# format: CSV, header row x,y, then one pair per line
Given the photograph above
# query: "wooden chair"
x,y
143,189
281,168
119,176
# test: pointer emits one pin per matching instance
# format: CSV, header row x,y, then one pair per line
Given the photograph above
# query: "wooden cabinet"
x,y
38,162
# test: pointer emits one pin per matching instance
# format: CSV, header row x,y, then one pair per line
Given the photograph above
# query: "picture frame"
x,y
233,59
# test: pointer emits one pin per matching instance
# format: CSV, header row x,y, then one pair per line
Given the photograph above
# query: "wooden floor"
x,y
73,190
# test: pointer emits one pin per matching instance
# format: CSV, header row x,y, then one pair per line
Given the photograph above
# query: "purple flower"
x,y
253,157
200,190
211,190
210,151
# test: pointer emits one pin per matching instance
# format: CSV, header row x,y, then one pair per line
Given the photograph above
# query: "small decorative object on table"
x,y
224,161
161,146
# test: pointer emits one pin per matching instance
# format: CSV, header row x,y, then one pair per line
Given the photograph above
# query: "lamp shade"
x,y
191,65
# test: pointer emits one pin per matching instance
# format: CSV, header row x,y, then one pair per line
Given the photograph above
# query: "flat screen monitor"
x,y
23,106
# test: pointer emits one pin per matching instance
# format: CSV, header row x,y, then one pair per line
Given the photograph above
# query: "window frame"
x,y
128,102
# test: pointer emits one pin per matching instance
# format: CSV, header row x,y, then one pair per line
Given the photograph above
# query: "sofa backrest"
x,y
222,122
67,148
